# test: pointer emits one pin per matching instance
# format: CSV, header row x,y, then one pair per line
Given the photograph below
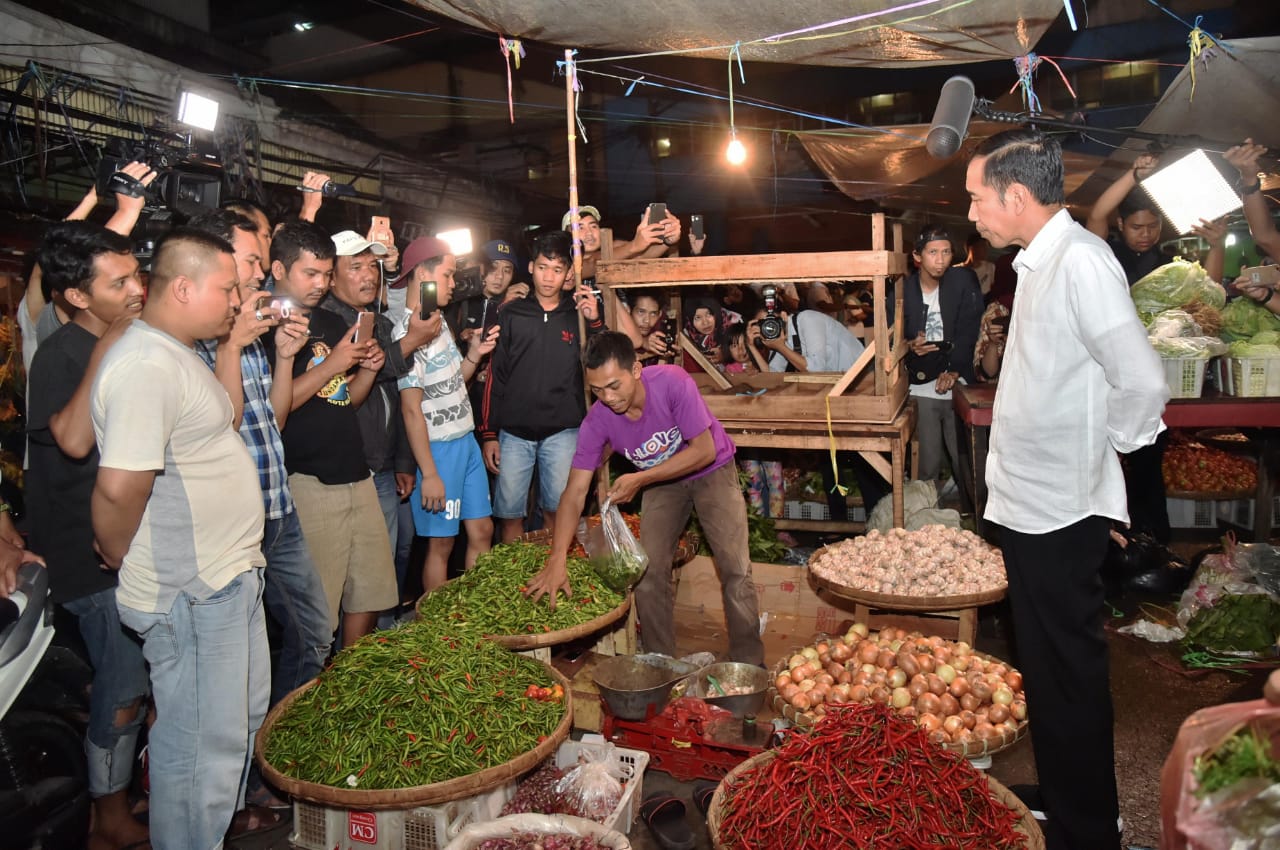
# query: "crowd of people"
x,y
266,425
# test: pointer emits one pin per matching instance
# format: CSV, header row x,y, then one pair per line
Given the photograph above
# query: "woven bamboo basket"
x,y
973,749
1034,838
419,795
536,640
896,602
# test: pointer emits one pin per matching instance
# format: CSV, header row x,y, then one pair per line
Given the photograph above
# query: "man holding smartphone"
x,y
324,449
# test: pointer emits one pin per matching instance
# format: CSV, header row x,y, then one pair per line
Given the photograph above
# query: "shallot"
x,y
933,561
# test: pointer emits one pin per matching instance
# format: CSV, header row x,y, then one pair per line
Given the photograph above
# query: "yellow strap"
x,y
831,447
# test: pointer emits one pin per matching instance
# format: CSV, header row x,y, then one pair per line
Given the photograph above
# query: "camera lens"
x,y
771,327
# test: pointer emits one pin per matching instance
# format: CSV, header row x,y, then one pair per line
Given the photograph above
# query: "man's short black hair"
x,y
69,250
609,345
1024,156
932,233
223,223
554,245
297,236
184,251
657,295
1137,201
246,206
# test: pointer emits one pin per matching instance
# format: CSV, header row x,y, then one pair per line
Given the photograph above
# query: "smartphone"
x,y
427,300
657,213
380,230
282,307
1001,322
364,326
695,227
943,344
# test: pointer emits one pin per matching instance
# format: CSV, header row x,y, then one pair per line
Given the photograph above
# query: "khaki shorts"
x,y
347,536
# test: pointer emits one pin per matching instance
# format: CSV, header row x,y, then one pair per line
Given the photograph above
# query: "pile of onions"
x,y
932,561
958,696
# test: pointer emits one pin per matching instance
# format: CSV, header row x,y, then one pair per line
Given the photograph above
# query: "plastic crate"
x,y
1185,376
1192,513
634,763
318,827
820,511
1241,511
1251,377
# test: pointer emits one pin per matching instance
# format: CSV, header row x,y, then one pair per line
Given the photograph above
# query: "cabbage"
x,y
1188,347
1175,284
1244,318
1264,344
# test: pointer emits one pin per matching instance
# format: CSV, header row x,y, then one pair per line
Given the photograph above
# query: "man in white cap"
x,y
652,239
356,283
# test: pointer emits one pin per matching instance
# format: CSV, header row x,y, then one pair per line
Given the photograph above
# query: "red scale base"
x,y
691,739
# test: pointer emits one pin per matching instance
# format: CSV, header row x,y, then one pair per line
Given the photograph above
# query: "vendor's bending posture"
x,y
656,418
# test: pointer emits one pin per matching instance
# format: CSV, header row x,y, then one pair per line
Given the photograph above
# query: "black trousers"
x,y
1057,601
1144,481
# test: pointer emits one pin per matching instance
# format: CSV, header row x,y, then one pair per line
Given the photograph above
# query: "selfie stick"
x,y
570,87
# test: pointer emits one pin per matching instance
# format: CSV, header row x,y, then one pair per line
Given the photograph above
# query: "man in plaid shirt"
x,y
293,592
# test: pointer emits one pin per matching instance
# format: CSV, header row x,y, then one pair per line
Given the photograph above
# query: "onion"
x,y
950,705
825,679
986,732
1018,710
998,713
939,737
936,685
880,694
1002,696
946,673
959,687
806,685
952,725
840,652
844,677
859,693
908,712
969,702
801,702
782,681
788,690
917,685
810,653
897,678
859,629
804,671
907,664
900,698
1014,680
981,690
885,659
925,662
928,722
928,704
822,646
867,652
795,661
869,669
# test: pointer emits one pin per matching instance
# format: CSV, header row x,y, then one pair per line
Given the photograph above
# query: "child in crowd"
x,y
765,491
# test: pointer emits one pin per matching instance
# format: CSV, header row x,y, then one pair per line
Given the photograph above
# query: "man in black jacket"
x,y
943,313
534,398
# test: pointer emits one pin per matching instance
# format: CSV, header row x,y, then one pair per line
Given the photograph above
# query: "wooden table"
x,y
973,406
894,437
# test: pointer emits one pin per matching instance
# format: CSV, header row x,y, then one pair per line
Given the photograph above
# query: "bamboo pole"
x,y
575,226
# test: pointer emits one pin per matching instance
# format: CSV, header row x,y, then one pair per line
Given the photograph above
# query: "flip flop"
x,y
664,814
252,820
703,791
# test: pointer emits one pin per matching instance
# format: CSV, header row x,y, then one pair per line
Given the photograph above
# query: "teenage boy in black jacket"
x,y
533,398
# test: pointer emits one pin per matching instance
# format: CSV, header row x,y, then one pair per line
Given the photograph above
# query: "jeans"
x,y
389,501
552,456
210,677
722,510
119,681
295,598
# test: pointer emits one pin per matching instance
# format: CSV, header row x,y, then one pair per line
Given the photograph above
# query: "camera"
x,y
771,325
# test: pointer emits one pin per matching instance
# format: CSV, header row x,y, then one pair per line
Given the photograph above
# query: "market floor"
x,y
1153,694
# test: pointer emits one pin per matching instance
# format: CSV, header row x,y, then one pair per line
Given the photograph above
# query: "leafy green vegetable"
x,y
1245,755
1175,284
1244,318
1263,344
1247,622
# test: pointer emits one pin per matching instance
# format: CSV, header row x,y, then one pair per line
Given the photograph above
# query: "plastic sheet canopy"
x,y
926,33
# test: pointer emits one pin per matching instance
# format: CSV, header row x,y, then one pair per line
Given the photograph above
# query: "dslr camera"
x,y
771,326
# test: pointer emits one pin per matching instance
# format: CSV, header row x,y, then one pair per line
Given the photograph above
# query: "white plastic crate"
x,y
1240,512
820,511
317,827
1192,513
1250,377
1185,376
634,763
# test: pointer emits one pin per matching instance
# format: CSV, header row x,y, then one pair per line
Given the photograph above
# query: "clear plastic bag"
x,y
613,550
594,786
1242,816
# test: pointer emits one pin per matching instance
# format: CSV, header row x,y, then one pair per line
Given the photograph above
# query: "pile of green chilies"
x,y
415,705
488,596
864,777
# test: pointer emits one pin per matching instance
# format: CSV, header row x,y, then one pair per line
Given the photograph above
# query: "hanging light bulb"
x,y
736,152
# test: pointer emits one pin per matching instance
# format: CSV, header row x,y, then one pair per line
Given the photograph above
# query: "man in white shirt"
x,y
1080,383
177,509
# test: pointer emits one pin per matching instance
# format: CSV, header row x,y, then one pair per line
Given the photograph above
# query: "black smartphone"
x,y
1001,322
695,227
657,213
427,298
942,344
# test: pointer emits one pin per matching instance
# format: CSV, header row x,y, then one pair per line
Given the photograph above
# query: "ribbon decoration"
x,y
511,48
1198,40
735,52
1027,67
837,487
569,66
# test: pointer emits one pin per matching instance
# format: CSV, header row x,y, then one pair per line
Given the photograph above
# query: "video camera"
x,y
186,180
771,326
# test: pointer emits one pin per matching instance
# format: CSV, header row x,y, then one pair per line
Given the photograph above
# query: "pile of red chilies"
x,y
866,778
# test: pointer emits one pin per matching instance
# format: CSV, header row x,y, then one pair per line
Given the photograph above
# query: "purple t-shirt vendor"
x,y
656,418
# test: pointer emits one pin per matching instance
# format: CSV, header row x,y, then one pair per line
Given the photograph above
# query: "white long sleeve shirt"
x,y
1079,383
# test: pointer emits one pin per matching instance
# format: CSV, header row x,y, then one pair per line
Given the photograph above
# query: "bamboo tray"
x,y
418,795
537,640
1026,822
894,602
805,719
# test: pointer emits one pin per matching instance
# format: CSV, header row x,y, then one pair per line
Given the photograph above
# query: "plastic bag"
x,y
474,836
594,786
1243,816
919,508
1173,323
1173,285
1217,575
613,550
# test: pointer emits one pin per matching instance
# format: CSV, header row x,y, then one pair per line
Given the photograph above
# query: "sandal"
x,y
665,816
252,820
703,791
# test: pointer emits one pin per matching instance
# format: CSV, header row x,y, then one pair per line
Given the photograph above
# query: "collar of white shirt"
x,y
1042,244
